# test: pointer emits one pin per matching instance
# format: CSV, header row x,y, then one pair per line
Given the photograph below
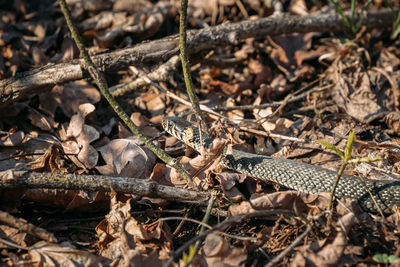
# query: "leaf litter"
x,y
321,87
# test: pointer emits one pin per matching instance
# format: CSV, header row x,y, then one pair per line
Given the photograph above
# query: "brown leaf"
x,y
12,234
217,251
291,200
263,73
41,121
289,51
69,97
355,95
39,57
12,139
226,88
201,166
392,120
88,156
228,181
131,6
298,7
51,161
122,237
83,135
69,50
331,251
143,24
124,157
143,125
65,254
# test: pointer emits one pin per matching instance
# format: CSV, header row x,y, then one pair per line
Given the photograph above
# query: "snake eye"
x,y
166,124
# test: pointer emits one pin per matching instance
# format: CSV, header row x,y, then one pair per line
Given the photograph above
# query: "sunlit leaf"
x,y
331,147
349,146
364,160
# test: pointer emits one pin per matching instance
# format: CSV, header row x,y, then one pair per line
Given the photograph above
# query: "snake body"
x,y
293,174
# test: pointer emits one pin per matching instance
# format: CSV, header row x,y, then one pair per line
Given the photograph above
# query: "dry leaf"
x,y
69,97
124,239
218,252
64,254
12,139
124,157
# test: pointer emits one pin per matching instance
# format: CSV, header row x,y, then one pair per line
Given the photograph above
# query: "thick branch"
x,y
14,88
101,183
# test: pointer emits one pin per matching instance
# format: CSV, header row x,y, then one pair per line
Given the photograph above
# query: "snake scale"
x,y
293,174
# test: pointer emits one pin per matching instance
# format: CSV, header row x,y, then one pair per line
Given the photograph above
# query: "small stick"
x,y
287,250
24,226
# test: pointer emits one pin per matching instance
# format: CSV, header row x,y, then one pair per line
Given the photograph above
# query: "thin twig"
x,y
12,244
208,227
248,107
293,97
160,74
180,225
186,65
203,228
283,137
287,250
335,183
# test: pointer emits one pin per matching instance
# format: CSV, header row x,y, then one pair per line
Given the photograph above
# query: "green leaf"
x,y
353,9
187,258
384,258
349,146
364,160
331,147
339,10
396,27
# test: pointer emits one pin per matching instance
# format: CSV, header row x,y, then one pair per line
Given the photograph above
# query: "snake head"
x,y
176,126
184,131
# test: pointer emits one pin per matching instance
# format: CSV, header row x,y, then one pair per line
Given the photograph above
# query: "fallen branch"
x,y
15,179
25,83
162,73
24,226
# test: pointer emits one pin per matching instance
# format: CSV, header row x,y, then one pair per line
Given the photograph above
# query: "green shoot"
x,y
384,258
396,21
347,159
353,25
331,147
396,27
187,258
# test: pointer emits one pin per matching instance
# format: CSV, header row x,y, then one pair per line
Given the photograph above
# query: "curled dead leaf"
x,y
218,251
124,157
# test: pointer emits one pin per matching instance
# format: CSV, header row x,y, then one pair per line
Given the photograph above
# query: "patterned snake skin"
x,y
293,174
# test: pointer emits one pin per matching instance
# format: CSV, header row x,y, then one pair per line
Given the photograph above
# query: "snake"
x,y
370,194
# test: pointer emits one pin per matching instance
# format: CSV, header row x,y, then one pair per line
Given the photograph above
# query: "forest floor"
x,y
271,79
